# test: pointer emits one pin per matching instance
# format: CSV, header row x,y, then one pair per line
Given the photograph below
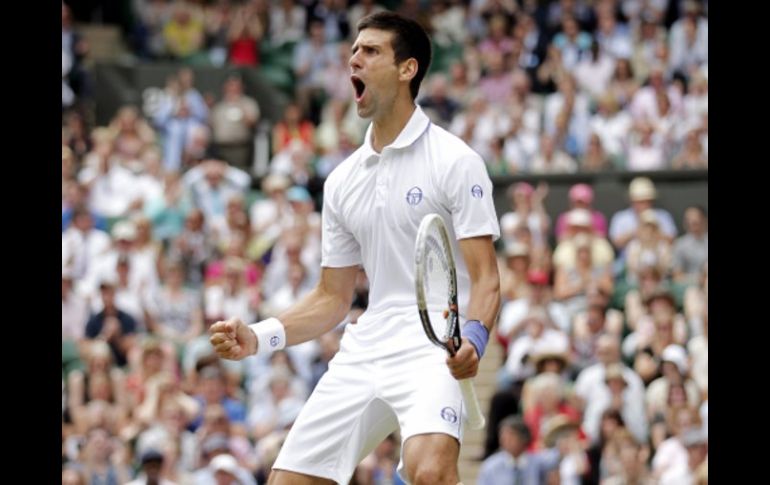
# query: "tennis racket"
x,y
436,285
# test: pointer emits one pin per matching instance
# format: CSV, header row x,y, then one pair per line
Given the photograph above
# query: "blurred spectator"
x,y
379,466
552,159
112,324
244,36
581,196
75,135
671,454
675,369
691,155
212,390
614,38
593,72
513,459
688,40
152,465
329,344
272,411
183,33
566,118
448,22
361,9
212,184
611,424
297,285
646,149
548,402
623,83
334,18
74,310
612,125
653,332
167,211
513,313
292,127
696,468
699,357
631,460
616,395
438,105
217,424
104,458
572,42
150,18
460,87
222,467
590,325
572,283
514,269
644,105
528,210
97,381
232,122
192,247
336,75
82,244
175,311
75,78
538,334
217,17
131,136
624,223
497,41
231,296
182,113
590,387
580,229
287,22
648,248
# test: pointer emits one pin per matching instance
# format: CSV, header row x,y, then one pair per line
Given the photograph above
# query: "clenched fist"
x,y
232,339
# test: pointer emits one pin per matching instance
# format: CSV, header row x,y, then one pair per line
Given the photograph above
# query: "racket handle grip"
x,y
475,417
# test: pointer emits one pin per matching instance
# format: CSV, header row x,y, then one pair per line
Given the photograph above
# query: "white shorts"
x,y
355,406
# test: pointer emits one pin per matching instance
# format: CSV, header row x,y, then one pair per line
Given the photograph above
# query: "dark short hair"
x,y
518,426
409,40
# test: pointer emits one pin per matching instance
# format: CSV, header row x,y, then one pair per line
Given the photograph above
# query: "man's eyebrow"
x,y
356,46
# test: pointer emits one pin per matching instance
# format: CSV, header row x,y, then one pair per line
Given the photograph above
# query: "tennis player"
x,y
387,374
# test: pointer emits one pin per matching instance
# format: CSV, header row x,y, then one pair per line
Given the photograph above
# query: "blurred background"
x,y
196,137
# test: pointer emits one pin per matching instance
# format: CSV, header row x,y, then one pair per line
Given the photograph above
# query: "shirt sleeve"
x,y
468,189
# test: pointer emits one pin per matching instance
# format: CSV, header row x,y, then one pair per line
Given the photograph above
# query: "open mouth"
x,y
359,87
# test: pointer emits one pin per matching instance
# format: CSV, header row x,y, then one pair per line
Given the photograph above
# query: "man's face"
x,y
641,205
512,442
83,222
374,72
694,221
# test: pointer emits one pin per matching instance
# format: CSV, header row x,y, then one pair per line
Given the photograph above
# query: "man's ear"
x,y
407,69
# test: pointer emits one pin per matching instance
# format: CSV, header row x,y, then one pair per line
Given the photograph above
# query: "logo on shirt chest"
x,y
414,196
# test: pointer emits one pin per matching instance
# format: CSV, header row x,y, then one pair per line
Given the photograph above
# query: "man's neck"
x,y
386,128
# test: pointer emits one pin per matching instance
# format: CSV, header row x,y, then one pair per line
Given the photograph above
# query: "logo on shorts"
x,y
414,196
477,192
449,414
274,341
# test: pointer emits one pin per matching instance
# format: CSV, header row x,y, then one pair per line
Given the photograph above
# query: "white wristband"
x,y
271,335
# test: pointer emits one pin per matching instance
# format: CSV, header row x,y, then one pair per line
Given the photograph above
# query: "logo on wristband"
x,y
274,341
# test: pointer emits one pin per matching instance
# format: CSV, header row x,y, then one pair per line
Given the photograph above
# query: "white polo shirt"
x,y
373,206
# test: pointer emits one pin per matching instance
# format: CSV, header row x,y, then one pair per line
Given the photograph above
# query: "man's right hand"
x,y
232,339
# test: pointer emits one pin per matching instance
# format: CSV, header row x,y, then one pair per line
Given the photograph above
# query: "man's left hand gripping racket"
x,y
436,285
